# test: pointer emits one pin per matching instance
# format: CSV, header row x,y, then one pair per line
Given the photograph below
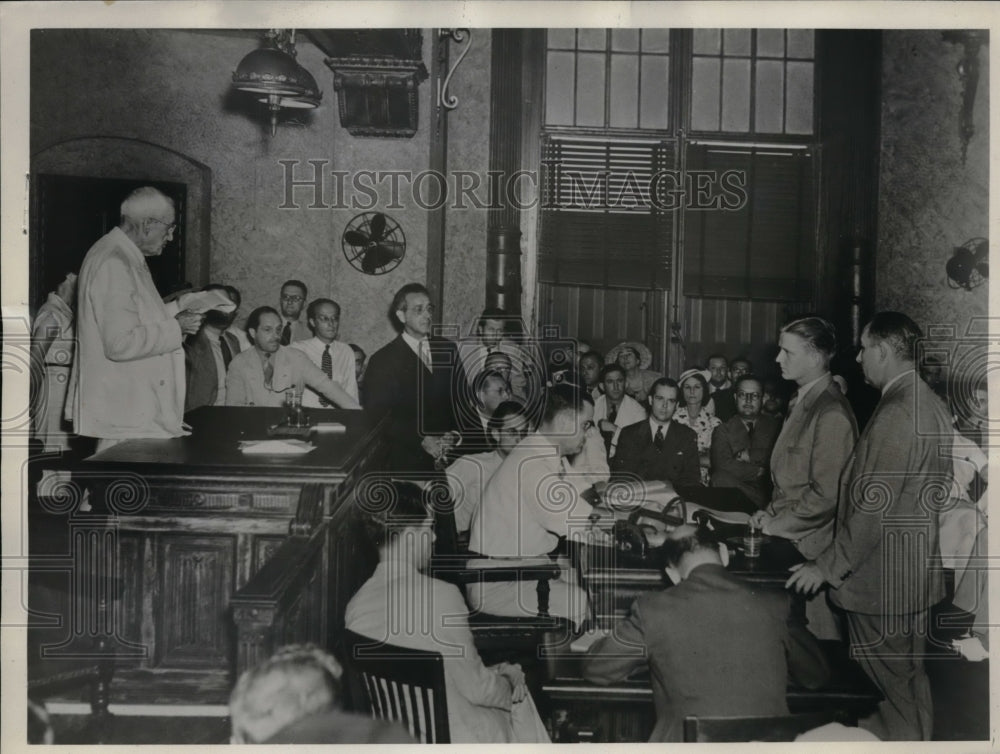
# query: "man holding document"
x,y
129,381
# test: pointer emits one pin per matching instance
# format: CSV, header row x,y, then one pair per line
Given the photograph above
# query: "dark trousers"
x,y
890,649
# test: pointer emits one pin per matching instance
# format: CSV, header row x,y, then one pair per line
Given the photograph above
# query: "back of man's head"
x,y
297,681
898,332
688,546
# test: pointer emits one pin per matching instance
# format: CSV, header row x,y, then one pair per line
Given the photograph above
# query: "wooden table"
x,y
186,525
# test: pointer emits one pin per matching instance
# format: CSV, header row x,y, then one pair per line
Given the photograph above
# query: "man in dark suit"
x,y
416,378
741,447
723,394
207,355
659,448
715,645
880,564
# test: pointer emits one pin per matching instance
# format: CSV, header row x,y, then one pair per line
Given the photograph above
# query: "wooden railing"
x,y
285,602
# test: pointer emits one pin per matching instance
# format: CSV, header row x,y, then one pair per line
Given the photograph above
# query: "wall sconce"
x,y
969,266
272,75
968,74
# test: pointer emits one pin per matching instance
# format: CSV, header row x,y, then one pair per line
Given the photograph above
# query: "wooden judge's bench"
x,y
197,559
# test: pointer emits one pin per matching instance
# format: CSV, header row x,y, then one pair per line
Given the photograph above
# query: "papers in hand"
x,y
203,301
276,447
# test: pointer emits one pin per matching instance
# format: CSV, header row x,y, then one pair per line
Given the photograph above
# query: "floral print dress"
x,y
704,425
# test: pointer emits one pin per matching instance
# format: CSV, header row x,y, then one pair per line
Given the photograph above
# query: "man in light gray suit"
x,y
815,441
880,563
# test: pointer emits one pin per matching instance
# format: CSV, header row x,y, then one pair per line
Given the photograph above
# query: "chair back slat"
x,y
401,684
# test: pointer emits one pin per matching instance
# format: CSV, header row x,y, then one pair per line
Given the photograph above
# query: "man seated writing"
x,y
260,376
528,504
715,645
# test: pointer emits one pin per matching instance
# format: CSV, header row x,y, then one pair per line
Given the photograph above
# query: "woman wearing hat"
x,y
693,414
634,357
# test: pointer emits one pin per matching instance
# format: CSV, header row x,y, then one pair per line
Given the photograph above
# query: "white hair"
x,y
145,202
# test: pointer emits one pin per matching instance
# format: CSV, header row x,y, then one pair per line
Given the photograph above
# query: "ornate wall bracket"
x,y
376,74
968,74
444,99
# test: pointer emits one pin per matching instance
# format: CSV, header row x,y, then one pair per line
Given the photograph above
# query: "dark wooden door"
x,y
72,212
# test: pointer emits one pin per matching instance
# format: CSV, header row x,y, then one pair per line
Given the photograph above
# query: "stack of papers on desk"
x,y
276,447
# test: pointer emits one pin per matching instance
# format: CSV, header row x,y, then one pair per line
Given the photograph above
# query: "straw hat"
x,y
688,372
645,355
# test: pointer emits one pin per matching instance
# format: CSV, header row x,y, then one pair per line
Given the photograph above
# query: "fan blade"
x,y
377,256
377,226
355,238
393,249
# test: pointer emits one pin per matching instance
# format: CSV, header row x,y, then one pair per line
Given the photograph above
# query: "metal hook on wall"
x,y
446,100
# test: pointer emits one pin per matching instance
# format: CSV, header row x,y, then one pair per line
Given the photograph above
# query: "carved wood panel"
x,y
129,608
263,549
197,582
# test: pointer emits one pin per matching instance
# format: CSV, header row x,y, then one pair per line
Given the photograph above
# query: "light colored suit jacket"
x,y
245,384
808,457
128,378
887,520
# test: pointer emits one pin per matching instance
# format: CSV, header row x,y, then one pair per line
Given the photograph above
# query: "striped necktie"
x,y
326,364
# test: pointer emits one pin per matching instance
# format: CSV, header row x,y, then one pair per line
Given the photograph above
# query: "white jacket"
x,y
128,378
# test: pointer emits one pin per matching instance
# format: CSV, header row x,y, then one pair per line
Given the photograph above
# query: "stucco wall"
x,y
929,201
172,89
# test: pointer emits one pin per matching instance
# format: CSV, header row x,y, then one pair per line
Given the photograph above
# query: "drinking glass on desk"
x,y
294,414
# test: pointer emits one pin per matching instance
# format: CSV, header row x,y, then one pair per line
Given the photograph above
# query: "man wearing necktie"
x,y
741,446
207,356
293,300
334,358
880,564
417,379
658,449
261,375
815,441
490,337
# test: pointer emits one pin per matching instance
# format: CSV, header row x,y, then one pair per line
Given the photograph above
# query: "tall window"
x,y
748,111
607,78
752,81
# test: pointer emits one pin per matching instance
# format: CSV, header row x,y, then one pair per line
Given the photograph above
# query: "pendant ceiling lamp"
x,y
273,76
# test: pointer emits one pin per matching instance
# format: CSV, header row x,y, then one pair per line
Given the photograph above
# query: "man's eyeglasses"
x,y
752,396
293,298
171,227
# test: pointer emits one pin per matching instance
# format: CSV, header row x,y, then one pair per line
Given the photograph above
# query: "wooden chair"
x,y
755,728
405,685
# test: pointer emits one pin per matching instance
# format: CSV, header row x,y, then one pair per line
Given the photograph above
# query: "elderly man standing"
x,y
128,380
880,564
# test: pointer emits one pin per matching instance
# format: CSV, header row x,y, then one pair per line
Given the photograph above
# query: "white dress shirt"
x,y
342,358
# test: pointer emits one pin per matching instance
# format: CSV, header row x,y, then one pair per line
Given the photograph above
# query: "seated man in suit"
x,y
715,645
207,356
491,337
659,449
293,300
723,402
295,697
262,375
334,358
615,409
490,389
416,378
528,504
741,447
